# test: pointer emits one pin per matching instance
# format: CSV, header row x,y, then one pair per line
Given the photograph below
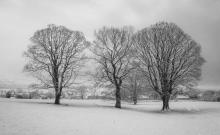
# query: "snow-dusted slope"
x,y
97,117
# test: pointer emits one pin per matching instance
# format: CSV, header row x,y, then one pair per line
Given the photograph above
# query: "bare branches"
x,y
168,56
55,51
111,48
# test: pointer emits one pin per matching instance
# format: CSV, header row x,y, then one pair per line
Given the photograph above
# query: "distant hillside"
x,y
4,84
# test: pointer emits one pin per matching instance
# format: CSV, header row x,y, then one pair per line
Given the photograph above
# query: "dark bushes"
x,y
8,94
22,96
210,96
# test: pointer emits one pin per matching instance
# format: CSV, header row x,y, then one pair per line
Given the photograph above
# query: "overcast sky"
x,y
19,19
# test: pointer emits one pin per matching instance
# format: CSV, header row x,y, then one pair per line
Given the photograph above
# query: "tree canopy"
x,y
168,57
54,56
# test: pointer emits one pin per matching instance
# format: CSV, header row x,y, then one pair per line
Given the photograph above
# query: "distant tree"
x,y
134,83
34,94
111,48
169,57
94,89
209,95
55,57
82,90
192,93
70,93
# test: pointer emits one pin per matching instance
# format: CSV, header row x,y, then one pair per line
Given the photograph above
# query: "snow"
x,y
99,117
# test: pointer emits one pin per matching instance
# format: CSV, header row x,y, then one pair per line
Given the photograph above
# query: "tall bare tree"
x,y
112,47
54,57
169,57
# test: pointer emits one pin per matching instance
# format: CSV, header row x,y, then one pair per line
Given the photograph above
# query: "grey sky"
x,y
19,19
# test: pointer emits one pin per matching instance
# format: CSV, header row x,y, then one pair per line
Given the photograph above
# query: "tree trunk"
x,y
57,96
165,99
135,97
135,101
118,97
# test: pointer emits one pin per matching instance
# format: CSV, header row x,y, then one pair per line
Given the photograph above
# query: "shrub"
x,y
8,94
34,95
211,96
44,97
154,96
192,94
22,96
48,95
208,96
218,99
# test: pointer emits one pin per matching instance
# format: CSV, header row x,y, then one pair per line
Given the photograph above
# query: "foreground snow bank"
x,y
97,117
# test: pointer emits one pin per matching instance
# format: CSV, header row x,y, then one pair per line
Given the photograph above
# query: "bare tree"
x,y
169,57
135,83
82,90
54,57
94,89
112,47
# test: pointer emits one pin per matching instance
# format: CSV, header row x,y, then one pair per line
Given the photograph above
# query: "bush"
x,y
192,94
208,96
218,99
34,95
22,96
48,95
154,96
211,96
44,97
8,94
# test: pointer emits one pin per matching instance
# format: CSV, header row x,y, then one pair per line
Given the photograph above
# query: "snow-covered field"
x,y
98,117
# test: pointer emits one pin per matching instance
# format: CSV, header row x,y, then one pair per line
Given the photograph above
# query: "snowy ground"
x,y
98,117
